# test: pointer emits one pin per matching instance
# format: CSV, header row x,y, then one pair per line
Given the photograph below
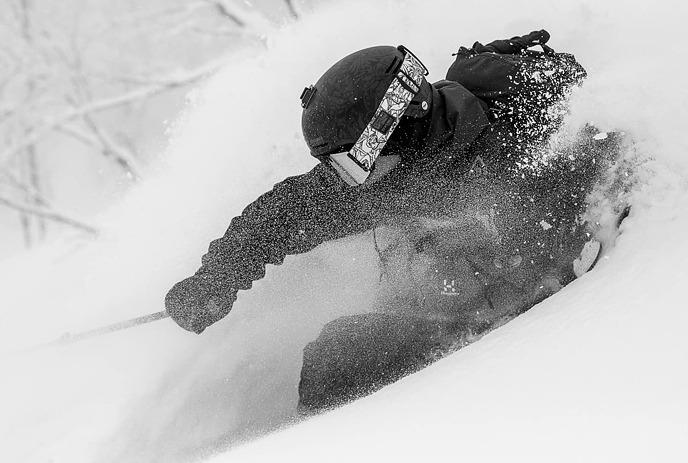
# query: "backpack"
x,y
523,87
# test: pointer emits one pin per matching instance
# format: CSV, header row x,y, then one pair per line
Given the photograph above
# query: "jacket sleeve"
x,y
297,215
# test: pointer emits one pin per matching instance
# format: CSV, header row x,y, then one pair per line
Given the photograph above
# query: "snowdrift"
x,y
595,373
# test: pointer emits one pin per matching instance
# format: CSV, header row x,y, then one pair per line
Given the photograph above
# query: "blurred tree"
x,y
84,76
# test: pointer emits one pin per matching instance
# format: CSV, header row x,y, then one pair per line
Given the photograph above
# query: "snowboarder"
x,y
452,166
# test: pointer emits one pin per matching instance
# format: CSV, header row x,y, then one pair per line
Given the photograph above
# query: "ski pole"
x,y
69,338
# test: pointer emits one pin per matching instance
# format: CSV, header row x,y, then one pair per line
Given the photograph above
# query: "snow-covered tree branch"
x,y
49,214
81,80
170,82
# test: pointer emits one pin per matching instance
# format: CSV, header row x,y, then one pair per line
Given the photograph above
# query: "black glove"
x,y
194,306
515,44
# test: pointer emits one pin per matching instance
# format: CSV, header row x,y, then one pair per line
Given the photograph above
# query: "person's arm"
x,y
294,217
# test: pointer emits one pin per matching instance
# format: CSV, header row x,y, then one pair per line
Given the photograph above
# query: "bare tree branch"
x,y
292,9
145,18
216,32
25,219
93,107
30,224
122,155
224,9
34,179
78,134
55,70
48,214
25,188
104,143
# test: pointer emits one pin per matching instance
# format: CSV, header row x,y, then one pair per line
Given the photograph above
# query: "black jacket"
x,y
437,175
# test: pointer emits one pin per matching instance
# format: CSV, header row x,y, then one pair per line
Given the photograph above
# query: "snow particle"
x,y
545,226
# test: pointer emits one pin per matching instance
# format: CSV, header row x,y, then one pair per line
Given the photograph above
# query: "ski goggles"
x,y
354,166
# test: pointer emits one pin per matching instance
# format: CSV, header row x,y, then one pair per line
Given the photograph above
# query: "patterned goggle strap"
x,y
355,165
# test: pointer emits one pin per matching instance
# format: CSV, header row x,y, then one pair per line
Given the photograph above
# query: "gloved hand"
x,y
515,44
194,307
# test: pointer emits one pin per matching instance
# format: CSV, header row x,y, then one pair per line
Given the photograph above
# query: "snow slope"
x,y
595,373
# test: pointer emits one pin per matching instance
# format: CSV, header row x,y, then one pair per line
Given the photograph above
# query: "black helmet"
x,y
344,101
